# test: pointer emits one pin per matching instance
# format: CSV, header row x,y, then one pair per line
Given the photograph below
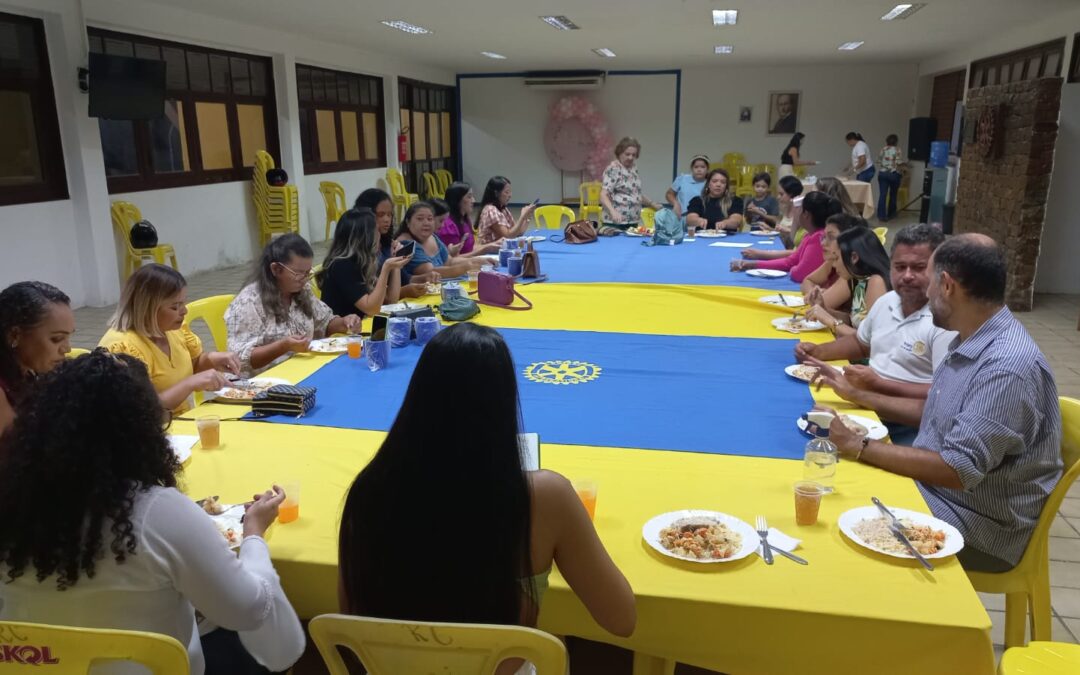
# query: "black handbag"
x,y
283,399
143,235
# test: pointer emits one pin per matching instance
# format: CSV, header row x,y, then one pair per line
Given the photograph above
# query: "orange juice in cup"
x,y
354,346
290,508
586,492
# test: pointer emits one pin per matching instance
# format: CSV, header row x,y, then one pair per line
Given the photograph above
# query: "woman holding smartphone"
x,y
496,221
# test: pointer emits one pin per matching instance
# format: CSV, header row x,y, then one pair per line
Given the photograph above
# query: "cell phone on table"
x,y
407,248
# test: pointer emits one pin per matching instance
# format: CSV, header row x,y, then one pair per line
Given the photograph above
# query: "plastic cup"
x,y
290,508
474,279
398,329
209,427
586,492
355,346
378,354
807,502
426,328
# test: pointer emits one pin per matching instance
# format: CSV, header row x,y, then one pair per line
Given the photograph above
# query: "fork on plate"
x,y
762,528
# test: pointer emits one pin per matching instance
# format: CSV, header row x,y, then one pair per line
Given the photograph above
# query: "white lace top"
x,y
250,325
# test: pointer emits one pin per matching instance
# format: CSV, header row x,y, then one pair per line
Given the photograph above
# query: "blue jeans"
x,y
888,184
866,175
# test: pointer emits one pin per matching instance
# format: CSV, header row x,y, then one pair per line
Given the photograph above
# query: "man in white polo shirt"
x,y
899,337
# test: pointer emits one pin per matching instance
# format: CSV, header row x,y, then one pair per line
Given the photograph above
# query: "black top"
x,y
342,286
713,212
785,156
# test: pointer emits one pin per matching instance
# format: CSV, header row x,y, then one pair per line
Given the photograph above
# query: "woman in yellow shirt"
x,y
148,325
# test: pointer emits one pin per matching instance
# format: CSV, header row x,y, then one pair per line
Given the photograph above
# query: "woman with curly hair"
x,y
103,537
149,325
36,324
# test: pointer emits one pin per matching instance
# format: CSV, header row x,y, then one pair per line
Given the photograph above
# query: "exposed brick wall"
x,y
1005,196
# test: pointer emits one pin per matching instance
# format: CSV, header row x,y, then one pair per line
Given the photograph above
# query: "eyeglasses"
x,y
299,276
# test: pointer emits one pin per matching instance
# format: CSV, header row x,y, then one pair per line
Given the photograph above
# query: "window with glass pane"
x,y
426,113
434,136
31,159
350,135
372,142
341,120
326,128
213,122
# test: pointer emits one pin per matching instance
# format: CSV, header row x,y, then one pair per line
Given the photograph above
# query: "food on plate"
x,y
245,390
698,539
642,231
804,372
232,534
433,288
853,426
211,505
798,324
875,532
334,344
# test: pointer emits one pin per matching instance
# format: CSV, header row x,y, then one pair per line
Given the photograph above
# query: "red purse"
x,y
497,289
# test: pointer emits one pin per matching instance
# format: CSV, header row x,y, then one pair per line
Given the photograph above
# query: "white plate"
x,y
330,345
759,233
791,371
766,274
954,541
710,234
651,532
789,300
877,430
784,324
731,244
535,238
230,519
220,396
635,234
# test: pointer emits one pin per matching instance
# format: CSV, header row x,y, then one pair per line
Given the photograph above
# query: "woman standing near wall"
x,y
861,163
621,195
789,158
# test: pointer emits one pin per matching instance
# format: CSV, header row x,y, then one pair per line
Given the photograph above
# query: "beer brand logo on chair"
x,y
27,655
562,372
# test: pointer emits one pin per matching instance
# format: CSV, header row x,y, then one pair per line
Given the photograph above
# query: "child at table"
x,y
763,210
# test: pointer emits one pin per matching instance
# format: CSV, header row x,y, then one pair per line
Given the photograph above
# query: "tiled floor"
x,y
1053,324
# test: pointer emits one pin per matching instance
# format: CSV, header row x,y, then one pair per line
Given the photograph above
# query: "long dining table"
x,y
679,401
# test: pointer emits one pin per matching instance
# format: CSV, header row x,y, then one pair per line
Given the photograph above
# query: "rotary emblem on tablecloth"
x,y
562,372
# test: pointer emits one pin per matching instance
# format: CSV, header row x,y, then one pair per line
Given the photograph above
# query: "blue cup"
x,y
511,244
398,330
426,328
378,354
504,257
514,265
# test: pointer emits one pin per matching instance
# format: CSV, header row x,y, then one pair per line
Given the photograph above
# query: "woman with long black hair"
x,y
816,209
496,222
863,270
789,158
487,556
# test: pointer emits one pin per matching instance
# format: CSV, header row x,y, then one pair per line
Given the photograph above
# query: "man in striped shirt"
x,y
988,451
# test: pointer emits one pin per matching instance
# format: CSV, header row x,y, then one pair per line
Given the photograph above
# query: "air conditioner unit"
x,y
563,81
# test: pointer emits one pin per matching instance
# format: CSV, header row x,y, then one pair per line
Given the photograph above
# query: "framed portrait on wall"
x,y
784,112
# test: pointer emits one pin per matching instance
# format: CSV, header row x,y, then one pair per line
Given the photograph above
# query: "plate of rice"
x,y
700,536
789,300
859,425
932,537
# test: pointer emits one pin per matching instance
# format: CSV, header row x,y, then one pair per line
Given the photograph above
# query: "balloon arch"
x,y
584,112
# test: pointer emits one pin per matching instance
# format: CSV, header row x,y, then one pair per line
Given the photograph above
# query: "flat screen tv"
x,y
123,88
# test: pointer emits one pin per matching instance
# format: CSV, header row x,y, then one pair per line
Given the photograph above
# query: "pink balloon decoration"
x,y
590,117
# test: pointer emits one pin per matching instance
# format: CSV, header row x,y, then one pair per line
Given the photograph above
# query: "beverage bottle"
x,y
820,458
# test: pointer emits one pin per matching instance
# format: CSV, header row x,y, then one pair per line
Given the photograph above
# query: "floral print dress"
x,y
624,187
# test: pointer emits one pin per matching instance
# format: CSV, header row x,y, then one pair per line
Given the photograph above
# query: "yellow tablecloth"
x,y
848,611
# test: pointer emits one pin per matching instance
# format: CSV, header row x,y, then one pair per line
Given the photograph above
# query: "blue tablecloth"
x,y
697,394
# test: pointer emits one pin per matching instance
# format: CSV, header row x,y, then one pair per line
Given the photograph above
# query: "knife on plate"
x,y
898,531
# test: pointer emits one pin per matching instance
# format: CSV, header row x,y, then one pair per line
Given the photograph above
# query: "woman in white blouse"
x,y
138,554
277,313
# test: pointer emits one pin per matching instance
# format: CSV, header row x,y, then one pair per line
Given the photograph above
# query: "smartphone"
x,y
536,201
407,248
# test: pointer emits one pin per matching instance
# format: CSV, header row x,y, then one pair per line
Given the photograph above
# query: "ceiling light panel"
x,y
848,46
560,22
493,55
406,27
903,11
605,52
725,17
724,49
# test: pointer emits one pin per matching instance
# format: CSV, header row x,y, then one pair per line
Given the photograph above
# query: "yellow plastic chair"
x,y
72,650
385,647
431,186
314,285
800,171
881,233
334,199
744,181
589,193
733,158
1027,586
648,218
212,311
77,351
124,215
1041,658
402,199
445,179
550,216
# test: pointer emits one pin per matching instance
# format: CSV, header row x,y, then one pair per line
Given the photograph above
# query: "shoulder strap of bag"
x,y
516,308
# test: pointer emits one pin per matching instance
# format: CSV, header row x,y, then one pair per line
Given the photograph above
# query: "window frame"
x,y
1074,61
309,141
147,178
411,92
53,185
1001,64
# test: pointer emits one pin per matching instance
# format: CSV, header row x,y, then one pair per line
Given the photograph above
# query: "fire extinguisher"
x,y
402,144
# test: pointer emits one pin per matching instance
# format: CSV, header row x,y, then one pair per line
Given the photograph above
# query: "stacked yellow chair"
x,y
1027,586
277,208
124,215
212,311
589,193
550,216
445,178
387,647
334,199
77,649
402,199
744,181
432,187
730,158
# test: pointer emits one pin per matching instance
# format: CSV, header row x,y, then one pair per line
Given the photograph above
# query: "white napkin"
x,y
181,446
778,539
730,244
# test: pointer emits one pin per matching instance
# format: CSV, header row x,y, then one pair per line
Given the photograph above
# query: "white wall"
x,y
354,182
70,242
873,100
503,123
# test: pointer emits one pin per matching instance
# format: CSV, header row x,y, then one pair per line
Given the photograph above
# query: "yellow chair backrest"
x,y
396,182
212,311
431,186
334,199
590,193
77,351
314,284
551,216
388,647
746,176
445,179
648,217
73,650
733,158
124,215
881,233
1041,658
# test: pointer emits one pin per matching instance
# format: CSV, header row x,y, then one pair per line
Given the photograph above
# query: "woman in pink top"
x,y
816,209
453,224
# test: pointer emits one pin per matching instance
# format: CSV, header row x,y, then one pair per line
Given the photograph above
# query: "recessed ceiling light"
x,y
560,22
725,17
848,46
605,52
903,11
406,27
724,49
493,55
